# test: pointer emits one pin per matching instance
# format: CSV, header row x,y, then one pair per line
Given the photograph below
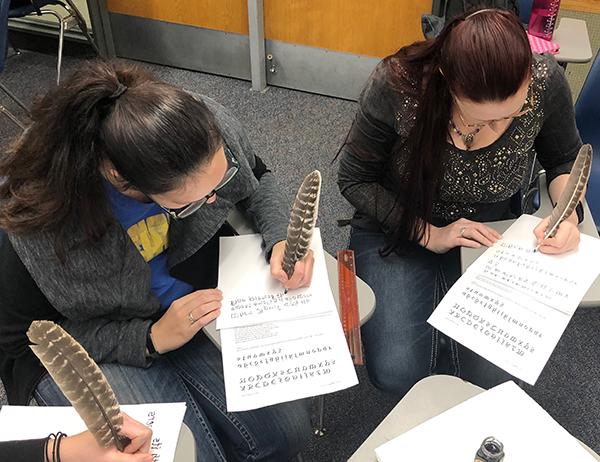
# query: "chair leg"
x,y
320,429
75,13
15,49
12,117
61,39
61,24
13,97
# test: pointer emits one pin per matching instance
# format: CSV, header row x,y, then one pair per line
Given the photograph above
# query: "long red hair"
x,y
483,56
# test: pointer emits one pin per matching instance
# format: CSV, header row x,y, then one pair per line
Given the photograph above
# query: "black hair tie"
x,y
118,92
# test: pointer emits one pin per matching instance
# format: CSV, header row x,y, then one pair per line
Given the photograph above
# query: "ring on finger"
x,y
191,317
462,231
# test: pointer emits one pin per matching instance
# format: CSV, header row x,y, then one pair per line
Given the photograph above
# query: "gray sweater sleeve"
x,y
106,309
268,210
108,341
558,141
364,157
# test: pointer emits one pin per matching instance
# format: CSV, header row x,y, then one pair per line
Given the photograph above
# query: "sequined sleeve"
x,y
365,155
558,141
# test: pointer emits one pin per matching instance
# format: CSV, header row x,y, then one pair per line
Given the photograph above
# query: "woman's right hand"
x,y
84,446
463,233
184,318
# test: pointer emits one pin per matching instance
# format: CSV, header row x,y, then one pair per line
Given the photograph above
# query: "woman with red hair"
x,y
445,139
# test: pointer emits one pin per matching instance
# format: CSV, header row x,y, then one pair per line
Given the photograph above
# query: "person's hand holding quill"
x,y
118,437
292,260
558,233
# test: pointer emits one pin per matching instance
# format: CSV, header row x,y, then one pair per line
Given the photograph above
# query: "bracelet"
x,y
56,449
152,353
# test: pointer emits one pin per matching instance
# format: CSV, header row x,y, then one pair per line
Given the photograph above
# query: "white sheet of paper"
x,y
283,361
31,422
505,412
251,295
513,304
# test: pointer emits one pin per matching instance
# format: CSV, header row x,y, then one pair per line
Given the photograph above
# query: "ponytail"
x,y
105,112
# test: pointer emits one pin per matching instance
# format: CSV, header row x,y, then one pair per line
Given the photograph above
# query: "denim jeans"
x,y
194,374
400,347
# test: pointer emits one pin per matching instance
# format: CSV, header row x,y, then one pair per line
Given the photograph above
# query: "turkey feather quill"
x,y
573,192
81,381
302,221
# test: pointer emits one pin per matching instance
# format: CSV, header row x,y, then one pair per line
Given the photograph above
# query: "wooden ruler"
x,y
349,303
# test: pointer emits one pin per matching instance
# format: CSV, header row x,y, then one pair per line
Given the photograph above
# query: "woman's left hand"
x,y
303,269
566,237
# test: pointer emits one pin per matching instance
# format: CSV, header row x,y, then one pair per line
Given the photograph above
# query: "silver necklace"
x,y
467,138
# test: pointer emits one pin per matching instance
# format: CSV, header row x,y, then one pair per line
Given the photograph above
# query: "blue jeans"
x,y
194,374
400,347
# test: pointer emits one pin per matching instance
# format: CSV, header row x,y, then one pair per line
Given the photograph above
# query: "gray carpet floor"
x,y
295,133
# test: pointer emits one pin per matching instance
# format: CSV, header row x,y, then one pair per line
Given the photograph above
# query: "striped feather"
x,y
81,381
302,221
573,192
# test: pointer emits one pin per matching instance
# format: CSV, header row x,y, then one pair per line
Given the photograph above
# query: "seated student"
x,y
81,447
112,201
445,136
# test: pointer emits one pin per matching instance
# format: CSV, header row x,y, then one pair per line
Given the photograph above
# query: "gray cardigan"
x,y
104,292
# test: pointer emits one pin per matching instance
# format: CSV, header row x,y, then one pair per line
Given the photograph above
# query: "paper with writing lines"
x,y
282,347
512,304
250,293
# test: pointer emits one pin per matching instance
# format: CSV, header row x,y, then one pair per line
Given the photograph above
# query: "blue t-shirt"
x,y
148,228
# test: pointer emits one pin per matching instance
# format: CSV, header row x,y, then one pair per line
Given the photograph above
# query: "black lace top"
x,y
476,184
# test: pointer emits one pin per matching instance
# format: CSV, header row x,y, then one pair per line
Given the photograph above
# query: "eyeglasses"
x,y
194,206
528,106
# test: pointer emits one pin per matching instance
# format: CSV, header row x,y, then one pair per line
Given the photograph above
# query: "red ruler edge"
x,y
348,295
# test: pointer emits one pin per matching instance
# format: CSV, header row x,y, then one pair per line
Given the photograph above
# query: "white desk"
x,y
574,40
428,398
592,297
186,446
366,297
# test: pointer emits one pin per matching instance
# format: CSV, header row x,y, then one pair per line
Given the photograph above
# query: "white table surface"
x,y
186,446
574,40
428,398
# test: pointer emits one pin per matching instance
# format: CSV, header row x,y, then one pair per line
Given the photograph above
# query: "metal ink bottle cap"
x,y
491,450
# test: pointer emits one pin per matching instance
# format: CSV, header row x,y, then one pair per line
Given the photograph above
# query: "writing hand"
x,y
567,237
303,269
83,446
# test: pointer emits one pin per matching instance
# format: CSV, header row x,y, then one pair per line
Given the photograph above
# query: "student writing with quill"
x,y
445,139
113,201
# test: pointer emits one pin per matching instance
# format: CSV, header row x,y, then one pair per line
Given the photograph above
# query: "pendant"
x,y
468,140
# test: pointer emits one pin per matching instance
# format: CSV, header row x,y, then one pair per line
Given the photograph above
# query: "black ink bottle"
x,y
491,450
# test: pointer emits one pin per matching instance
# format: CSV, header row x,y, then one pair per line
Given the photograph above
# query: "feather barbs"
x,y
303,217
81,381
573,191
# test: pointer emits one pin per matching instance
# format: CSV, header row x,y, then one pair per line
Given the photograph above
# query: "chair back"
x,y
587,114
4,8
525,10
